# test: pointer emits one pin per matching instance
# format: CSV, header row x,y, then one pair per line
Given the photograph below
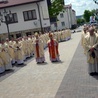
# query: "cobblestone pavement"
x,y
15,68
66,79
77,83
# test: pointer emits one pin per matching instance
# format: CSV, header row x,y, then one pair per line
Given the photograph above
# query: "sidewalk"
x,y
66,79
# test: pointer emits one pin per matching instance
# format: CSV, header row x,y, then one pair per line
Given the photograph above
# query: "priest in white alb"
x,y
83,35
38,49
91,47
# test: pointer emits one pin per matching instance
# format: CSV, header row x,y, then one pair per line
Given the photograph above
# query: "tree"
x,y
96,14
87,15
56,7
96,1
80,21
93,12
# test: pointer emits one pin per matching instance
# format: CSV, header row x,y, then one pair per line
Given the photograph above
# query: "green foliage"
x,y
87,15
92,12
56,7
80,21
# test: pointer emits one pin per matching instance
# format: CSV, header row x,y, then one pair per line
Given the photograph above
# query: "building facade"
x,y
28,16
66,19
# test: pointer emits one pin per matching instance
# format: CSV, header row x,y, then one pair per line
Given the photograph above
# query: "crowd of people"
x,y
89,41
18,50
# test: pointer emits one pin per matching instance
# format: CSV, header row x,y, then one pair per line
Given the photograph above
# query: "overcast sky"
x,y
80,5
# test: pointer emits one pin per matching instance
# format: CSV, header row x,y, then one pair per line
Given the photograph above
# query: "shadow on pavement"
x,y
20,65
58,62
96,76
7,72
45,63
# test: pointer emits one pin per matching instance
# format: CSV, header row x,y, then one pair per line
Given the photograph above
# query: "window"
x,y
13,18
29,15
63,23
12,36
61,15
28,33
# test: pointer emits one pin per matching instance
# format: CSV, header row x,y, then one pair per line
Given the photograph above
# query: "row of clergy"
x,y
89,41
16,51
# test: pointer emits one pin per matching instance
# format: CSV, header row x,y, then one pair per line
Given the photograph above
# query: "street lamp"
x,y
6,18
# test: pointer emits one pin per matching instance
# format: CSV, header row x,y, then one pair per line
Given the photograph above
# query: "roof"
x,y
11,3
73,10
68,6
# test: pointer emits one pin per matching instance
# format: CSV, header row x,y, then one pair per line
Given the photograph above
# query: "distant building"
x,y
28,16
66,19
79,17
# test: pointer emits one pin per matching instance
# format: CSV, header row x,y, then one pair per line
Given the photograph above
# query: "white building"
x,y
28,16
66,19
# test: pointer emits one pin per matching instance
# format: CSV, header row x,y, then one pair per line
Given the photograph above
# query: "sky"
x,y
81,5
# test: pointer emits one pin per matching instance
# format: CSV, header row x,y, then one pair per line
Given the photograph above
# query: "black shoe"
x,y
96,73
93,73
43,62
21,64
38,62
54,61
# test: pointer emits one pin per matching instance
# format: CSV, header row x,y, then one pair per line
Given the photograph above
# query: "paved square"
x,y
66,79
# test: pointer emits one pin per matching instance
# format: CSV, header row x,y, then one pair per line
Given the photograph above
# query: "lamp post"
x,y
6,18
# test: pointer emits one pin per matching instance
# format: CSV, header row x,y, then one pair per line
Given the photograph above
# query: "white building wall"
x,y
25,25
60,21
69,19
44,13
53,28
73,18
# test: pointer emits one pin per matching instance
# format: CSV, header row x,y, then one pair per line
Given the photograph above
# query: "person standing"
x,y
38,49
12,50
5,56
19,52
53,48
84,33
2,67
30,41
91,47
